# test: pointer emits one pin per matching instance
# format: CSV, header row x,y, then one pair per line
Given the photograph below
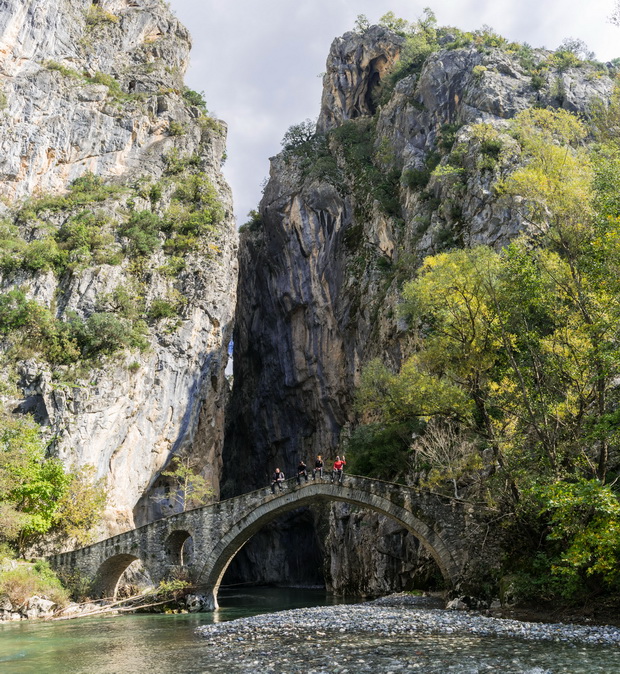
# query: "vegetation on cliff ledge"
x,y
511,397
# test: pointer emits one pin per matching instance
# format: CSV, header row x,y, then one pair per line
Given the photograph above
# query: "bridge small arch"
x,y
109,573
179,548
220,557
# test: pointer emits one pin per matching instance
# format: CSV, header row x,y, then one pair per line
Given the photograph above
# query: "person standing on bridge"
x,y
302,470
318,467
338,469
277,479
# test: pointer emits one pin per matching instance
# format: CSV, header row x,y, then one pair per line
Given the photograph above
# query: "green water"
x,y
154,644
135,643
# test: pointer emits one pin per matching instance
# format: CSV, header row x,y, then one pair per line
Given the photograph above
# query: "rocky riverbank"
x,y
392,634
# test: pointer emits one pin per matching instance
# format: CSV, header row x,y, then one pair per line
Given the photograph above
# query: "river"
x,y
153,644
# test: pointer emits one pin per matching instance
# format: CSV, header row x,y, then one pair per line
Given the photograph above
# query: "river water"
x,y
153,644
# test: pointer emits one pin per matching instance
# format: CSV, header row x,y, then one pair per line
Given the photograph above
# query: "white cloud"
x,y
257,60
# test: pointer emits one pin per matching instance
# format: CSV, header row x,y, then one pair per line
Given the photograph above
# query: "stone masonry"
x,y
447,527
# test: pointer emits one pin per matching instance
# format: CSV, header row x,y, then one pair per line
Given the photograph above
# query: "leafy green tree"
x,y
80,508
583,519
299,137
195,98
380,450
394,23
37,495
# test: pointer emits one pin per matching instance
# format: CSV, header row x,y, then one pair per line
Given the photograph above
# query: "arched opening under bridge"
x,y
219,559
179,548
109,573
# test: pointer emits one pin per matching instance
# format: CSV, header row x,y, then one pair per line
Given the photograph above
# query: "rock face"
x,y
355,69
342,223
97,89
56,124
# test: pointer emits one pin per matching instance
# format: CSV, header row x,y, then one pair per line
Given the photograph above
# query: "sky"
x,y
260,62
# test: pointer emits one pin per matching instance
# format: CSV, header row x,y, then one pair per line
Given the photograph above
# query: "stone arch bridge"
x,y
447,527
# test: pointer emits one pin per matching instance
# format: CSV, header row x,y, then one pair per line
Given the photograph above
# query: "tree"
x,y
449,453
299,135
362,24
80,508
518,351
189,489
584,532
394,23
577,47
37,495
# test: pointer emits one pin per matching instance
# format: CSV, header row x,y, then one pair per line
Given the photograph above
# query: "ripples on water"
x,y
152,644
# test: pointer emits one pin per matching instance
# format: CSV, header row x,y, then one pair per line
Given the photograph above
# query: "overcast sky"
x,y
259,61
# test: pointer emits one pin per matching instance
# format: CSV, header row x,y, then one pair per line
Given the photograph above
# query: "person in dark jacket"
x,y
302,470
318,467
277,479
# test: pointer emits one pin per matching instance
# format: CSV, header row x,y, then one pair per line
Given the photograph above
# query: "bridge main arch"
x,y
246,526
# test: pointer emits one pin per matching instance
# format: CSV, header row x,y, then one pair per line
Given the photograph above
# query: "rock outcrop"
x,y
93,91
394,174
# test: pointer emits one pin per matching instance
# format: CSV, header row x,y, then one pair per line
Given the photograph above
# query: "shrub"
x,y
174,266
161,308
195,98
176,129
564,60
122,301
28,580
104,333
89,182
254,223
97,16
155,194
491,148
537,81
142,230
62,69
178,244
109,81
478,72
176,163
416,178
447,136
196,189
82,236
208,124
185,220
42,256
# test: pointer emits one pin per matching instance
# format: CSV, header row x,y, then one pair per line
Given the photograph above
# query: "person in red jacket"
x,y
338,469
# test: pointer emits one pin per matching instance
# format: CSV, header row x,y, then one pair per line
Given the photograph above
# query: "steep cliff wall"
x,y
400,168
118,224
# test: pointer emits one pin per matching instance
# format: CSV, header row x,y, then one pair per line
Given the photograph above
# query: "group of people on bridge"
x,y
302,471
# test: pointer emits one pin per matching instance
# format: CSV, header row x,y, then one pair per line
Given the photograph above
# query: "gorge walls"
x,y
402,166
117,224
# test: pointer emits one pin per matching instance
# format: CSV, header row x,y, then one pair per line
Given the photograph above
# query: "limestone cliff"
x,y
118,224
399,168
